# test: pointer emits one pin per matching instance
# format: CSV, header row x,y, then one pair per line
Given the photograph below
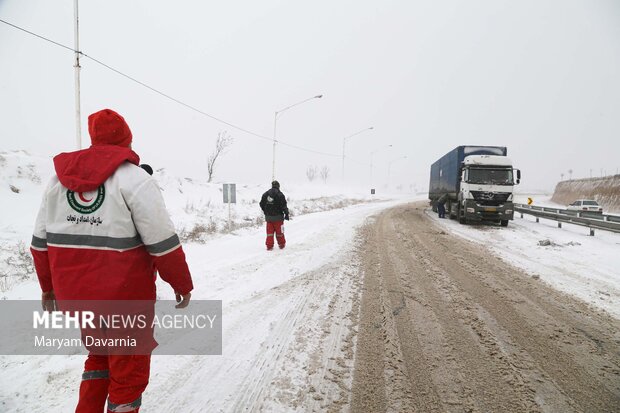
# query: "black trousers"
x,y
441,210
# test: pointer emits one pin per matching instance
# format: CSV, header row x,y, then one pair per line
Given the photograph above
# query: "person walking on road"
x,y
273,204
103,233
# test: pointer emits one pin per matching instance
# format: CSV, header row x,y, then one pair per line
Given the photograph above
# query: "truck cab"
x,y
486,189
474,183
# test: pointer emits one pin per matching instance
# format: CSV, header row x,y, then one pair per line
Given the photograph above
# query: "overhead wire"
x,y
37,35
180,102
167,96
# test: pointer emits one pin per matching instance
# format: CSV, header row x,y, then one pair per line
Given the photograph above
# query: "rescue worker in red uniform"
x,y
273,204
103,233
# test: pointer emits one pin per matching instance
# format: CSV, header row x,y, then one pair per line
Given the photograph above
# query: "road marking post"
x,y
229,192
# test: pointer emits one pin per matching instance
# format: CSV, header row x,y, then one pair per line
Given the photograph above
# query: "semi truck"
x,y
476,183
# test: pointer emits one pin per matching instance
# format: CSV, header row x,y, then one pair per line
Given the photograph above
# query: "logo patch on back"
x,y
86,202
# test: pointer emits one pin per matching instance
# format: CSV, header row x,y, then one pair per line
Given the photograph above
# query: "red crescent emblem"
x,y
84,199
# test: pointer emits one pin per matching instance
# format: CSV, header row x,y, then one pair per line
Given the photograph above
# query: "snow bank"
x,y
22,179
199,212
196,207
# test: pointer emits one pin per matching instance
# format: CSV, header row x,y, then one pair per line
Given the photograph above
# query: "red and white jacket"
x,y
103,231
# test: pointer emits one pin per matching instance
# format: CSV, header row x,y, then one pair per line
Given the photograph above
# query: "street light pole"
x,y
275,124
371,156
76,34
390,166
344,140
273,158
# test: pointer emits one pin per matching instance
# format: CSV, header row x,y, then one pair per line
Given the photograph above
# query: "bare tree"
x,y
324,174
221,144
311,173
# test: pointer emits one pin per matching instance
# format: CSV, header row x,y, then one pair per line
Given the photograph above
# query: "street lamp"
x,y
275,122
344,140
390,166
371,156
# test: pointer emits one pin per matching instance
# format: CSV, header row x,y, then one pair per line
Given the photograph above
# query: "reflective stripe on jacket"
x,y
107,241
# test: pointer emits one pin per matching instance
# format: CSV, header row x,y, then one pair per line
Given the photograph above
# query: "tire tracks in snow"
x,y
303,362
447,327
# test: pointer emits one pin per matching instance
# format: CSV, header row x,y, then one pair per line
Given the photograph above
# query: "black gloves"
x,y
286,217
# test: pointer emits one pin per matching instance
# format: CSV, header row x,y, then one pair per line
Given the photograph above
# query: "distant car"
x,y
587,205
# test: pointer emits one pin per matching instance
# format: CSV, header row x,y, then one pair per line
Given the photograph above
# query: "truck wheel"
x,y
461,215
504,222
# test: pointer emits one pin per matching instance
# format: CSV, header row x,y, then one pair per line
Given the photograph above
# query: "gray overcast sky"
x,y
540,77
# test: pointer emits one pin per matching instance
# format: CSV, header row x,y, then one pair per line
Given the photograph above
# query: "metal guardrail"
x,y
591,220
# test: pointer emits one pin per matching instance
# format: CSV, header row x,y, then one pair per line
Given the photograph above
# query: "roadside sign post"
x,y
229,192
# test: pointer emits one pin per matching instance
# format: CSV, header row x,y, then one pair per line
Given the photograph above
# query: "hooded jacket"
x,y
103,231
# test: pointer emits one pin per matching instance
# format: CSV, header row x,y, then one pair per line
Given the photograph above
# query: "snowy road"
x,y
291,321
570,261
286,323
447,327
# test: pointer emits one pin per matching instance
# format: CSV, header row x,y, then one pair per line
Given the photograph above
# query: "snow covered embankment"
x,y
606,191
196,207
22,178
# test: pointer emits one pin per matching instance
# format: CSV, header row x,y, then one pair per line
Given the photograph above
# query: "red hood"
x,y
85,170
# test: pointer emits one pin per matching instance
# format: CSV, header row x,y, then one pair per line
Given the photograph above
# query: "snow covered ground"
x,y
196,206
287,314
286,321
574,262
538,199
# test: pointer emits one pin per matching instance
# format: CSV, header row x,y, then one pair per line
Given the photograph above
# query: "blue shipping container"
x,y
446,172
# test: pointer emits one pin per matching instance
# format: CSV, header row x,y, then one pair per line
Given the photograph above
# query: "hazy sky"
x,y
541,77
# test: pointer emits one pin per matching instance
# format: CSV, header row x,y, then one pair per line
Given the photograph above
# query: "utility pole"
x,y
78,124
273,157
